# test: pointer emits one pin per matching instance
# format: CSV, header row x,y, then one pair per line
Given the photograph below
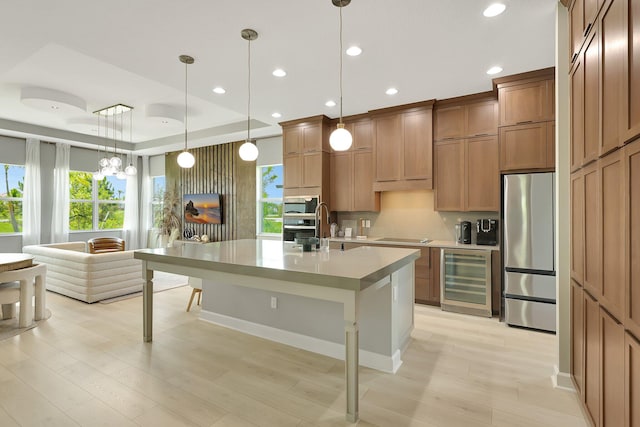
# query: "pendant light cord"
x,y
249,92
340,64
185,104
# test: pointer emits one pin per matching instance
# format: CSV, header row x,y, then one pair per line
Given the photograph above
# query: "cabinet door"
x,y
612,191
364,198
362,135
342,181
312,138
523,103
434,293
482,175
577,226
591,99
292,166
449,122
481,119
612,364
631,380
312,169
418,145
592,358
577,115
592,230
632,180
631,81
292,140
449,185
423,276
388,138
523,147
576,24
577,337
612,32
551,145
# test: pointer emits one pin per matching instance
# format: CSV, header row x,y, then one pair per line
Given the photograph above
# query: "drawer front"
x,y
530,314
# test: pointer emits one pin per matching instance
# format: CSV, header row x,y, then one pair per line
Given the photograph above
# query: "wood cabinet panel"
x,y
482,175
576,23
341,181
551,145
612,31
434,289
312,168
523,147
592,358
632,214
632,380
524,103
481,118
612,365
577,115
449,122
312,138
292,166
364,198
577,337
592,230
418,146
631,81
292,140
591,99
577,227
362,135
388,137
449,176
613,233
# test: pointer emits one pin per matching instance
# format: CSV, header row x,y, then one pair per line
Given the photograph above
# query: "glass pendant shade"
x,y
186,159
248,151
115,161
340,139
103,162
121,175
130,170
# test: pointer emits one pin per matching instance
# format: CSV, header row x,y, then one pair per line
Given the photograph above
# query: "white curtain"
x,y
31,206
131,232
60,214
146,195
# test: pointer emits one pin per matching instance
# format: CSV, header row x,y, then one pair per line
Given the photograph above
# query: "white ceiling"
x,y
126,51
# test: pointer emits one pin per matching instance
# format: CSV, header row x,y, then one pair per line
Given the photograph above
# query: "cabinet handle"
x,y
574,57
586,30
481,134
363,148
450,137
524,122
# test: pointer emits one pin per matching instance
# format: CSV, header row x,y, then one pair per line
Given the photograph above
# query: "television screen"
x,y
202,208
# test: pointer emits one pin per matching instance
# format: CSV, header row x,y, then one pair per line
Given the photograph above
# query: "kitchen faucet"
x,y
318,209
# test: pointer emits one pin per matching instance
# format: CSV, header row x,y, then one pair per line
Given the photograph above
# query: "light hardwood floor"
x,y
87,365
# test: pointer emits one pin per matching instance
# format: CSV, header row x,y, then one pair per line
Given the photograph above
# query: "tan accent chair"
x,y
100,245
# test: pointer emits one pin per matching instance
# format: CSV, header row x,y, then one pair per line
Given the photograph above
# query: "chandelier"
x,y
113,118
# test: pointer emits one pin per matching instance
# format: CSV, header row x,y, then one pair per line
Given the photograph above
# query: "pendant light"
x,y
248,151
186,159
340,139
130,170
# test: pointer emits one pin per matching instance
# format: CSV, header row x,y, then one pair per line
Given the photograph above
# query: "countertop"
x,y
450,244
355,269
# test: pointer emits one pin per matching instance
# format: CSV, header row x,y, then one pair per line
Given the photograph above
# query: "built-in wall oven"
x,y
299,217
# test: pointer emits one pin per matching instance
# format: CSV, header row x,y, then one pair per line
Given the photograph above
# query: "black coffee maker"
x,y
487,232
463,232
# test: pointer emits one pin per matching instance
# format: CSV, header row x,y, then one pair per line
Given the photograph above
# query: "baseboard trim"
x,y
380,362
562,380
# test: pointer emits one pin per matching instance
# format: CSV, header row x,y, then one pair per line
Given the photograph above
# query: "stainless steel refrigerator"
x,y
528,250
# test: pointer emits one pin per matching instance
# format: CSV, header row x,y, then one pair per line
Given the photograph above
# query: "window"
x,y
157,200
270,199
95,205
11,198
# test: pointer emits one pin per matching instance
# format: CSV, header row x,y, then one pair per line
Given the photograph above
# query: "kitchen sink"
x,y
399,240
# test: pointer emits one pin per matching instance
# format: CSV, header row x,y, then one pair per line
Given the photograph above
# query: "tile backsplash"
x,y
410,215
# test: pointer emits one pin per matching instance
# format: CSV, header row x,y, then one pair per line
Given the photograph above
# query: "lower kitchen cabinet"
x,y
612,375
632,380
577,337
592,358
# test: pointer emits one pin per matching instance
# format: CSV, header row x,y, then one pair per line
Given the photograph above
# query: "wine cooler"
x,y
465,281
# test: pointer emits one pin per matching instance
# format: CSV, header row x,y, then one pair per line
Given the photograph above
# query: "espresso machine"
x,y
463,232
487,232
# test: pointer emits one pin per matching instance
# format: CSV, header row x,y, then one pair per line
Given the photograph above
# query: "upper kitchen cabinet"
x,y
403,146
631,73
582,18
527,147
466,117
306,156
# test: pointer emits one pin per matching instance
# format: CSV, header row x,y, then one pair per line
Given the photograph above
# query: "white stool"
x,y
9,296
27,277
196,284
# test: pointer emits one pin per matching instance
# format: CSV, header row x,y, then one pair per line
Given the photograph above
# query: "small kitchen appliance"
x,y
463,232
487,232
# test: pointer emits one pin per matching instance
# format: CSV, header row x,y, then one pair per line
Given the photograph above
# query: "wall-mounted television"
x,y
202,208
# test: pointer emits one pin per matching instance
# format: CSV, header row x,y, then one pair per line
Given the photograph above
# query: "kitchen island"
x,y
379,276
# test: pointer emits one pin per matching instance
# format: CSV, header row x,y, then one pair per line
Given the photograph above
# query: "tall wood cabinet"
x,y
605,206
466,158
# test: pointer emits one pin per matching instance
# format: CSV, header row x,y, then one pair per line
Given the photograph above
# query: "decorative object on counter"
x,y
333,229
186,159
341,233
204,238
347,232
340,139
170,224
248,151
188,233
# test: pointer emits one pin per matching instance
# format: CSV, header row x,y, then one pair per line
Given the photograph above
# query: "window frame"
x,y
260,200
15,199
157,202
95,202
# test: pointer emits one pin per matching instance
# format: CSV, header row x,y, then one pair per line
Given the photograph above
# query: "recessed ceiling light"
x,y
391,91
494,9
494,70
330,103
354,51
276,115
219,90
279,72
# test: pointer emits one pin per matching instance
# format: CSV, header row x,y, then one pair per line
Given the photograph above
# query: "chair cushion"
x,y
101,245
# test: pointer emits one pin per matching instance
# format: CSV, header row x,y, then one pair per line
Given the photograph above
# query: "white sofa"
x,y
73,272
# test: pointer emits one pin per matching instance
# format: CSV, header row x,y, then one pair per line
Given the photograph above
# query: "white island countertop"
x,y
354,269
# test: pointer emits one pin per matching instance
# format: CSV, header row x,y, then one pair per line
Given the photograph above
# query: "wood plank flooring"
x,y
87,365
